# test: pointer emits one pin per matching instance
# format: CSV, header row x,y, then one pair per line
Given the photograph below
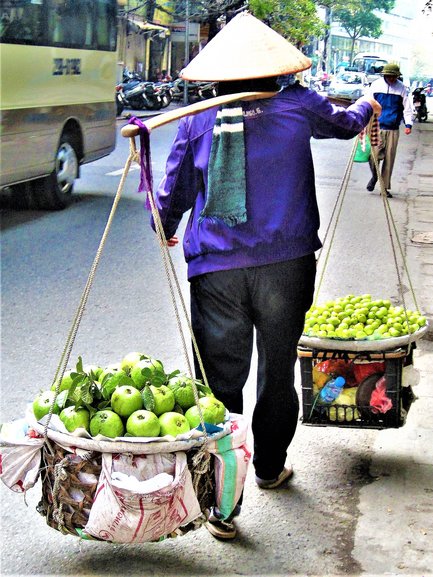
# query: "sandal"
x,y
220,529
285,475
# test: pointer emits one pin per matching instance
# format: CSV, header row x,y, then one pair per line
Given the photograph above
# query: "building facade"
x,y
397,43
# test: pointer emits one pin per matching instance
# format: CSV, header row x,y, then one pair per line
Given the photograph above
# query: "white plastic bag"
x,y
20,455
142,498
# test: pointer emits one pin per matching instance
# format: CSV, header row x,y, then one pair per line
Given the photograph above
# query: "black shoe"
x,y
371,185
388,194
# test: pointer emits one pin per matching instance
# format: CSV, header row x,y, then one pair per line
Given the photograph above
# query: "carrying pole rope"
x,y
373,131
173,278
64,359
170,270
333,221
394,238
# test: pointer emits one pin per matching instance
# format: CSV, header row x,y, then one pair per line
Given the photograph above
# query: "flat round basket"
x,y
362,345
125,444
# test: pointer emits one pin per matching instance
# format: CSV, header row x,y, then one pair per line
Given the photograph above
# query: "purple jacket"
x,y
282,213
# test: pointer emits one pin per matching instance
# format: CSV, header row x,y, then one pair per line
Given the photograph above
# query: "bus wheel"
x,y
54,192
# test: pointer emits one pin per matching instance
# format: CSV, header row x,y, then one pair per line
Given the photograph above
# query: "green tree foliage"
x,y
296,20
203,10
358,19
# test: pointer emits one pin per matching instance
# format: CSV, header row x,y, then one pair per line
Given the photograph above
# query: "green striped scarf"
x,y
226,198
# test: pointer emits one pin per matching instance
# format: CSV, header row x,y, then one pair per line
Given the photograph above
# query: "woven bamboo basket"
x,y
67,499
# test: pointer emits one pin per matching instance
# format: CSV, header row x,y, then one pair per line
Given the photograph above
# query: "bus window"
x,y
58,72
21,24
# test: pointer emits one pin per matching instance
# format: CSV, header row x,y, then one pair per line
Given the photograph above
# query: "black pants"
x,y
225,308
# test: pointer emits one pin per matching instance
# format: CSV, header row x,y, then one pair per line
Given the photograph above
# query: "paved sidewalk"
x,y
394,534
394,531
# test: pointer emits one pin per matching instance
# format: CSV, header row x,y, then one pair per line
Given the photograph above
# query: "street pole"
x,y
185,82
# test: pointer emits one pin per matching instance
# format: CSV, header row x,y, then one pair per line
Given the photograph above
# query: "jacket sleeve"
x,y
178,189
407,109
331,121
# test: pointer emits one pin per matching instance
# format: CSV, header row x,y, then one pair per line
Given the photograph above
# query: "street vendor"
x,y
245,171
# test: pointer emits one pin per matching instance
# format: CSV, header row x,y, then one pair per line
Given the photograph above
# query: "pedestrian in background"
x,y
245,171
392,94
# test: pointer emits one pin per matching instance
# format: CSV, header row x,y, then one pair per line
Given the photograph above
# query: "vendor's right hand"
x,y
173,241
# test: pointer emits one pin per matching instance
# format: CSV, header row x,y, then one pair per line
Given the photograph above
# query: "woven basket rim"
x,y
129,446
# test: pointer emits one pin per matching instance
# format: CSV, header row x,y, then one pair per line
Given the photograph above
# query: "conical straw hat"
x,y
245,48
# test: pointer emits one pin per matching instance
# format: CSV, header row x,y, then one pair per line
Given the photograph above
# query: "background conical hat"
x,y
245,48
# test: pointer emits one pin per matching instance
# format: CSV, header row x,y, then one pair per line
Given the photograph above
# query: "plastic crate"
x,y
360,414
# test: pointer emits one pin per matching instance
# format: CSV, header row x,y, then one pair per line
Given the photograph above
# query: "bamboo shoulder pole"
x,y
130,130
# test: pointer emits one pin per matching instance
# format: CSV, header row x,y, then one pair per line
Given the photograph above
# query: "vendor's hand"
x,y
173,241
407,130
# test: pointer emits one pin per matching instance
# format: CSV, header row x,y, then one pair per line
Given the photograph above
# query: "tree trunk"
x,y
328,20
352,50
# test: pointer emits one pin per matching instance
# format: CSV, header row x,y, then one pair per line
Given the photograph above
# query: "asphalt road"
x,y
46,257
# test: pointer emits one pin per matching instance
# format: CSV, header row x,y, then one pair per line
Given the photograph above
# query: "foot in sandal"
x,y
284,476
219,528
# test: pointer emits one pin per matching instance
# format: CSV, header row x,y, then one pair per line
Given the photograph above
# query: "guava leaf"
x,y
79,365
203,388
77,381
106,378
86,394
92,375
74,393
148,398
173,374
62,398
125,380
158,379
108,388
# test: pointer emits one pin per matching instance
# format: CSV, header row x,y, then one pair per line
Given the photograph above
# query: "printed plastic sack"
x,y
142,498
232,458
363,149
20,455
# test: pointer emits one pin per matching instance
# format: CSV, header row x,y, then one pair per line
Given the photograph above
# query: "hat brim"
x,y
245,49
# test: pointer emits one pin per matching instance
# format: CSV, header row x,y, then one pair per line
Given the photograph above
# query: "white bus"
x,y
58,73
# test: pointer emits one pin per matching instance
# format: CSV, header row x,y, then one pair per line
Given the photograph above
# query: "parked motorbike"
x,y
152,97
119,99
163,90
177,90
419,104
142,95
208,90
196,90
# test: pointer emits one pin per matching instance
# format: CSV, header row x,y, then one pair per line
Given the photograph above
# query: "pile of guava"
x,y
361,318
134,397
